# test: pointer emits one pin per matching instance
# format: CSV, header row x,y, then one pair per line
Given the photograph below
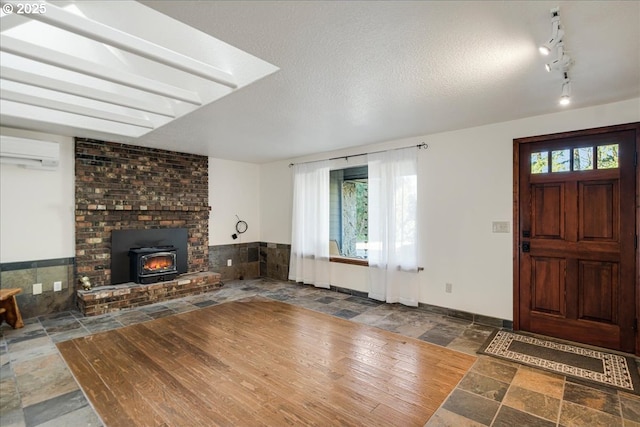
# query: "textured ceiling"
x,y
355,73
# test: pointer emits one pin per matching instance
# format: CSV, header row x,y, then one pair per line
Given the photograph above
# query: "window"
x,y
581,160
348,225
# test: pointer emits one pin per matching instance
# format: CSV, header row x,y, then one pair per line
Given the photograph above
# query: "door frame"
x,y
516,210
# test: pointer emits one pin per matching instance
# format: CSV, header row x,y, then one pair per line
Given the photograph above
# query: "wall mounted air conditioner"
x,y
29,153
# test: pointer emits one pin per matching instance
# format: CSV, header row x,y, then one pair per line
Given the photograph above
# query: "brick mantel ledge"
x,y
107,299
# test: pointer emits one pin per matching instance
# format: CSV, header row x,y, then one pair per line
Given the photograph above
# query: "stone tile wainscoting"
x,y
245,260
24,275
274,260
250,260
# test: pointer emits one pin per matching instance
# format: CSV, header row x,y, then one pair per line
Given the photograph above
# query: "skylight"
x,y
110,70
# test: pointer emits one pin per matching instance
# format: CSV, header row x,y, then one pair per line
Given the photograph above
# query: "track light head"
x,y
556,38
556,33
562,63
565,97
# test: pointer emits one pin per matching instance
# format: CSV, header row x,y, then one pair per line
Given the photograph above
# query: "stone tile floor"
x,y
37,388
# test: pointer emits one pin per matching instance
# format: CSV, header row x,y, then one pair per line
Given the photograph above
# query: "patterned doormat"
x,y
587,364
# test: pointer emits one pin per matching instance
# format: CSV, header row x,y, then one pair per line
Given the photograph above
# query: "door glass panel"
x,y
583,159
608,156
540,162
560,160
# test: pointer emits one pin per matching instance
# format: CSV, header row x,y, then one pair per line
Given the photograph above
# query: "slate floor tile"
x,y
509,417
326,300
484,386
572,414
84,417
132,317
13,418
535,403
100,324
152,308
33,330
34,348
161,313
180,306
47,410
43,378
471,406
412,330
464,345
502,371
435,336
540,381
9,396
69,335
594,399
364,301
444,418
62,324
279,296
205,303
630,405
345,314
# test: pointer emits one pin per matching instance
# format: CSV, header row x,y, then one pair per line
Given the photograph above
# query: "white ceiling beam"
x,y
9,20
32,79
102,33
53,104
39,118
68,62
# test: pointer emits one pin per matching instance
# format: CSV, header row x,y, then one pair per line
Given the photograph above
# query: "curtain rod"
x,y
420,147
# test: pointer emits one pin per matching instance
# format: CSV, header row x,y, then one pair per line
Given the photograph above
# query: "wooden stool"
x,y
9,310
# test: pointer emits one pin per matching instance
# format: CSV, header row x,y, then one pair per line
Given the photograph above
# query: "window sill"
x,y
352,261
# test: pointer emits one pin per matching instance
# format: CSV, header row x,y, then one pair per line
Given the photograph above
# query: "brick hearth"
x,y
107,299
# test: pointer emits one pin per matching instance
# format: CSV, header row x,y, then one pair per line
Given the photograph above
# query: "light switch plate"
x,y
37,288
501,226
57,286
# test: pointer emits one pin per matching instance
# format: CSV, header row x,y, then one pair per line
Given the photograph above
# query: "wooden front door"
x,y
576,224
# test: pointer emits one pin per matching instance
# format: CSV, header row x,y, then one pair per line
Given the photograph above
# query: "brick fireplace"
x,y
120,187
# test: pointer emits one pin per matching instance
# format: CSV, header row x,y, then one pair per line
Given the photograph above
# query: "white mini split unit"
x,y
29,153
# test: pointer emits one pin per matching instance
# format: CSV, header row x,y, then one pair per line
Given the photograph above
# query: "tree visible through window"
x,y
349,211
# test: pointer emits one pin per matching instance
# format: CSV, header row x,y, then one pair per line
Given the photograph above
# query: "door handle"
x,y
526,247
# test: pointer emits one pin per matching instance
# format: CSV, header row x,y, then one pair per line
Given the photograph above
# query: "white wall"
x,y
233,190
466,183
276,190
37,207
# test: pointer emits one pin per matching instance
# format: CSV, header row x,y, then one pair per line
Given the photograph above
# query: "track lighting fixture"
x,y
556,33
562,62
565,98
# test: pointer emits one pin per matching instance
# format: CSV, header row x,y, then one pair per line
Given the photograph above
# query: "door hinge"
x,y
636,159
635,324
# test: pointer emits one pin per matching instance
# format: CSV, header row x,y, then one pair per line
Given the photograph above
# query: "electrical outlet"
x,y
37,288
57,286
229,263
448,288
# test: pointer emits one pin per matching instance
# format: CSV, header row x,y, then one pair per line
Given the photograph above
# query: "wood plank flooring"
x,y
258,362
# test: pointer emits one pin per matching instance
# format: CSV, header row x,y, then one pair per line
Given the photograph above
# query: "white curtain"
x,y
393,232
310,225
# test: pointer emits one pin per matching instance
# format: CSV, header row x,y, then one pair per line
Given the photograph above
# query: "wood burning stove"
x,y
126,240
153,264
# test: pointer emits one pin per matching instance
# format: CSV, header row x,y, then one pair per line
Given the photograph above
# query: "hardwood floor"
x,y
261,362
